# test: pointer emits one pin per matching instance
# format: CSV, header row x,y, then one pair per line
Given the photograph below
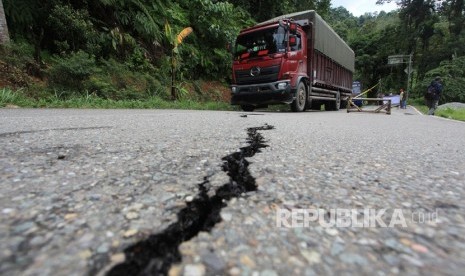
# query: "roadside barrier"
x,y
385,107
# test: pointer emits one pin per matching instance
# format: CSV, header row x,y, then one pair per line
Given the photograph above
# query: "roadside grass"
x,y
17,98
419,104
9,97
422,108
455,114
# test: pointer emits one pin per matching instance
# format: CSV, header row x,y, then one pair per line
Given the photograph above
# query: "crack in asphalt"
x,y
156,254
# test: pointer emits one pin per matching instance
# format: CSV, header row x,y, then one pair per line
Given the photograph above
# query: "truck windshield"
x,y
260,43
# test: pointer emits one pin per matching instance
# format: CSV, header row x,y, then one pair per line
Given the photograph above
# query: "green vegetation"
x,y
12,99
419,103
456,114
125,52
432,31
452,73
117,51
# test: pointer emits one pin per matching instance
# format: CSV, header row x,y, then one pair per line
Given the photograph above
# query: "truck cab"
x,y
269,62
295,59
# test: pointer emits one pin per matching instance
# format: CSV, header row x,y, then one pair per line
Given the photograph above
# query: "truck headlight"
x,y
282,85
233,89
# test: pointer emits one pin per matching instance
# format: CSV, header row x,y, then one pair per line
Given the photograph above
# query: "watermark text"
x,y
366,218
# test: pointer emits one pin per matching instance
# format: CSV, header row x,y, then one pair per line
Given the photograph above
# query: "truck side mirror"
x,y
293,28
292,40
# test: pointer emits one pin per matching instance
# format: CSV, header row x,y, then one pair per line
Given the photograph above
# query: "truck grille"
x,y
267,74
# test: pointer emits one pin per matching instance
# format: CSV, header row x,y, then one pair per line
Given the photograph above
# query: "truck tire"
x,y
248,108
344,104
298,105
337,103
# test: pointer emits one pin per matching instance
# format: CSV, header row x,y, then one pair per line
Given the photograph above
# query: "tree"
x,y
452,73
28,20
262,10
4,36
455,10
342,21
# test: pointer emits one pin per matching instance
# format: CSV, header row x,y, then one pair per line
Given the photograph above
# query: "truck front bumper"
x,y
262,94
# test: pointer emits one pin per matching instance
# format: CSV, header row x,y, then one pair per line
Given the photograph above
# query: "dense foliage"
x,y
431,31
117,48
124,48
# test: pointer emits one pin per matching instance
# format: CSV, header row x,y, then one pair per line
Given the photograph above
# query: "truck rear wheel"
x,y
298,105
248,108
337,103
343,104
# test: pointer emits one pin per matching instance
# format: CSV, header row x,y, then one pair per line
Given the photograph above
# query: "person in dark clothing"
x,y
436,89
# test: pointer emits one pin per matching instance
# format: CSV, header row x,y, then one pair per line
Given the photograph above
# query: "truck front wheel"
x,y
298,105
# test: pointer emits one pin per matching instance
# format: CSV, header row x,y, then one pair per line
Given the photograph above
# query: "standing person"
x,y
433,94
402,99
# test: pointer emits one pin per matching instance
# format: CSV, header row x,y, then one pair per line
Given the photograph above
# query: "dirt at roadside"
x,y
16,78
212,90
13,77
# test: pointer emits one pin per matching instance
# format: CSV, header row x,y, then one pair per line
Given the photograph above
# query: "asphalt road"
x,y
78,187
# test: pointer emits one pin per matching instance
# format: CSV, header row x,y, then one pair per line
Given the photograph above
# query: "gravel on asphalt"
x,y
81,186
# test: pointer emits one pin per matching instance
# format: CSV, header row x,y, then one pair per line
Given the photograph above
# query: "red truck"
x,y
294,59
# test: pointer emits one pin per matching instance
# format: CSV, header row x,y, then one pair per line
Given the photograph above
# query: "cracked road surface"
x,y
78,187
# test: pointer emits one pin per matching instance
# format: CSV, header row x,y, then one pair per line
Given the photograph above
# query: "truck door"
x,y
297,58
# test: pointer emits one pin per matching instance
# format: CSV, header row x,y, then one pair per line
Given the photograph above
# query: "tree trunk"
x,y
4,36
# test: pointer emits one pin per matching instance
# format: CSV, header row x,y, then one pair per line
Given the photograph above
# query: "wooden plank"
x,y
352,107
